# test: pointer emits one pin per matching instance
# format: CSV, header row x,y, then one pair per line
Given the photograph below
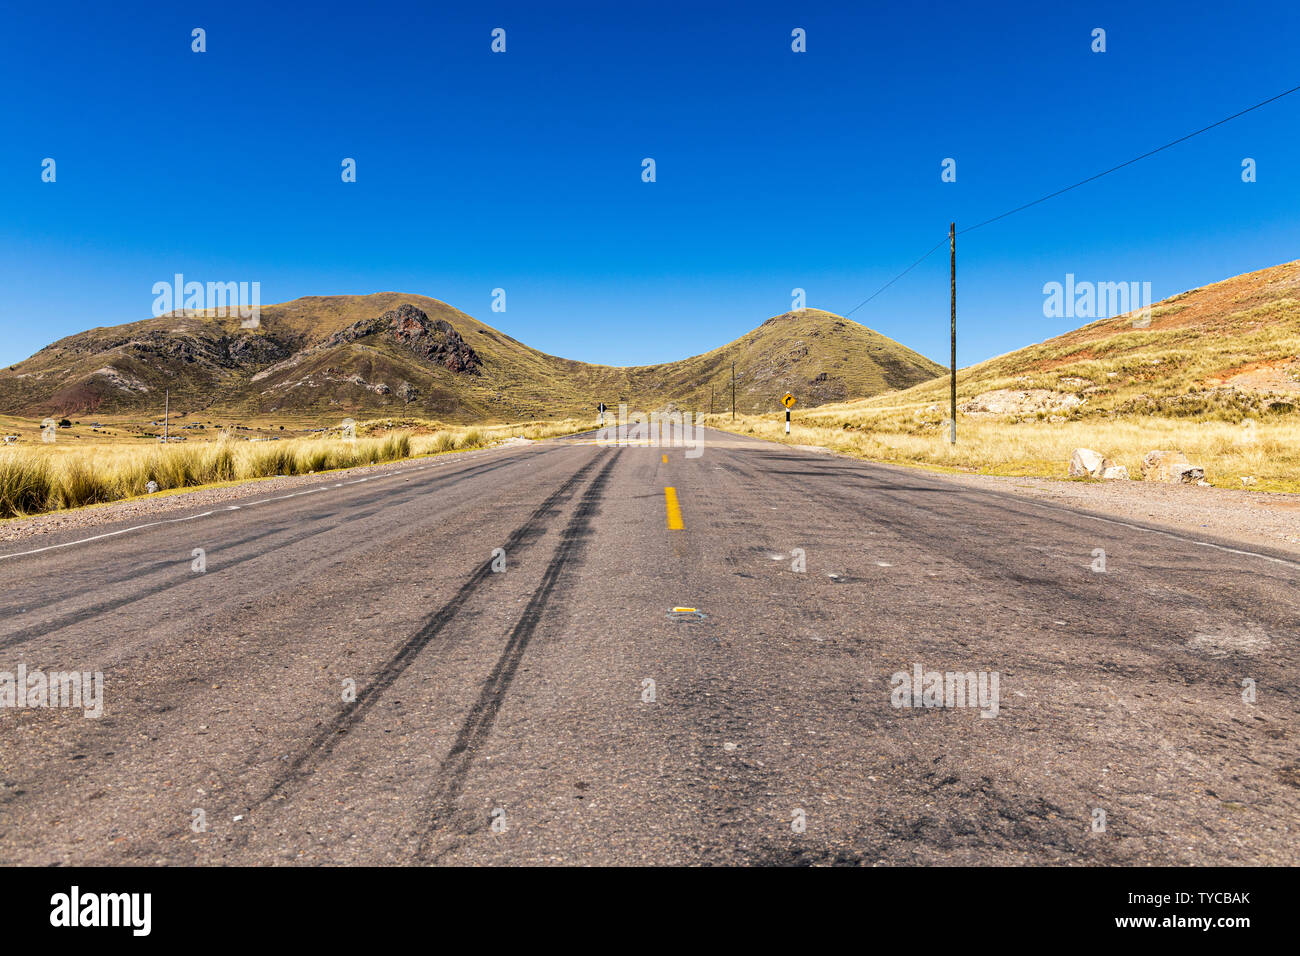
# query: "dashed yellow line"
x,y
674,510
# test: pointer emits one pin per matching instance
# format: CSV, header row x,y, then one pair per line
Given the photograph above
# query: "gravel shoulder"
x,y
1267,519
1261,518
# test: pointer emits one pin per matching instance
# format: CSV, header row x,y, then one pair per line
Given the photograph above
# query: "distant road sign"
x,y
601,408
787,400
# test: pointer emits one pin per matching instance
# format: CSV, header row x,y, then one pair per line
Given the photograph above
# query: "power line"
x,y
1158,149
1082,182
896,278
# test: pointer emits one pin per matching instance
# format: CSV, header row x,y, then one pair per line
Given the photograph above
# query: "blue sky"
x,y
522,170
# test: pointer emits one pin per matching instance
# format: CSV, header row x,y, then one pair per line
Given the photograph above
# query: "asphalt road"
x,y
505,716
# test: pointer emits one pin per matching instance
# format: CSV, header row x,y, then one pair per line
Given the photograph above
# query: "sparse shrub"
x,y
268,461
471,438
220,464
130,478
312,457
176,467
27,485
397,446
80,484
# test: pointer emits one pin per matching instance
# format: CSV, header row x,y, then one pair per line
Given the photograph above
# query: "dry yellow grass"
x,y
39,477
1268,451
433,437
1210,360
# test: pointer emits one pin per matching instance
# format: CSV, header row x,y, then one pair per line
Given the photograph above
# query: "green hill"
x,y
399,354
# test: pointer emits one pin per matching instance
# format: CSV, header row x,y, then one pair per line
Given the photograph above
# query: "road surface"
x,y
349,680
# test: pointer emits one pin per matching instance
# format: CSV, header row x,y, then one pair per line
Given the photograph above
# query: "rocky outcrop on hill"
x,y
199,347
1021,401
433,340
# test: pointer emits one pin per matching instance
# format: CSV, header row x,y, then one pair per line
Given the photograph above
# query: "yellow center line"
x,y
674,510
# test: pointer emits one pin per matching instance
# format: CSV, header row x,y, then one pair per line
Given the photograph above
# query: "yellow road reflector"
x,y
674,509
665,459
686,614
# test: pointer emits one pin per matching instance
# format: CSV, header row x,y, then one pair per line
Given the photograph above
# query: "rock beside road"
x,y
1086,463
1171,467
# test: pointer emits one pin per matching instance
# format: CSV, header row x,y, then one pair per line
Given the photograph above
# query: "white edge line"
x,y
108,534
247,504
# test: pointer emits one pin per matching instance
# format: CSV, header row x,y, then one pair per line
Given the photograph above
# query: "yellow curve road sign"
x,y
787,400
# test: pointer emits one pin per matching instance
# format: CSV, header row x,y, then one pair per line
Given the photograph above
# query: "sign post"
x,y
788,401
601,408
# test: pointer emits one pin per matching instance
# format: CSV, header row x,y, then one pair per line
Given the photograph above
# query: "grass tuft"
x,y
35,481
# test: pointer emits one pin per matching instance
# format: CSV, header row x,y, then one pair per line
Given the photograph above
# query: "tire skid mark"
x,y
324,742
77,742
478,723
104,607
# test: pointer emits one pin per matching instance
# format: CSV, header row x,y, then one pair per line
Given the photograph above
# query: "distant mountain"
x,y
396,354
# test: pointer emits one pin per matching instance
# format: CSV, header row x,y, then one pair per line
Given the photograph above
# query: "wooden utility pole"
x,y
710,399
733,391
167,402
952,239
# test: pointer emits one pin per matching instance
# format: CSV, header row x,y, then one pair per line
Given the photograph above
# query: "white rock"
x,y
1086,463
1115,473
1171,467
